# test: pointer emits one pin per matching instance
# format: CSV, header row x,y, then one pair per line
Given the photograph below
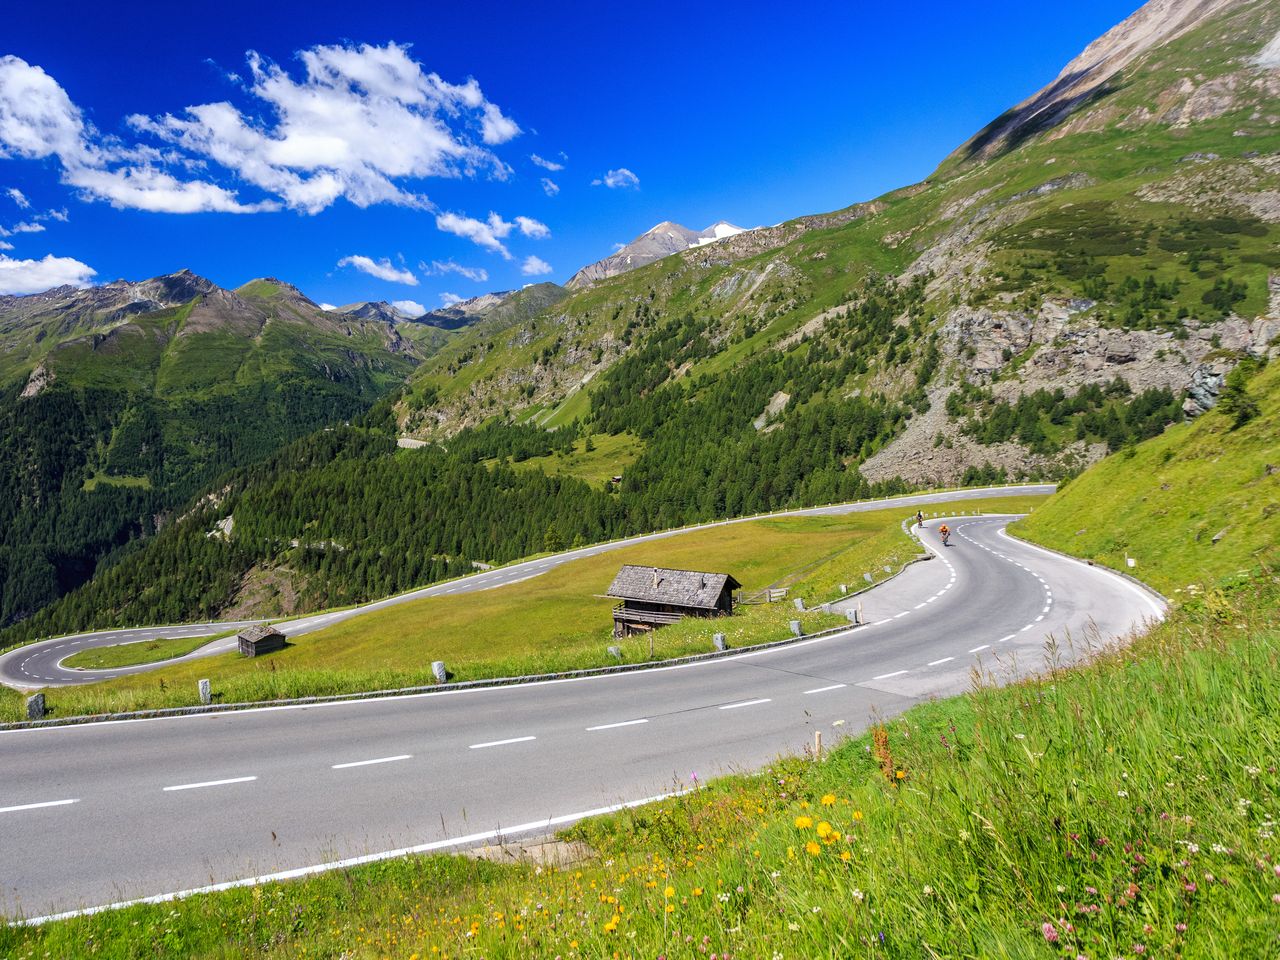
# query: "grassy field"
x,y
1165,502
131,654
557,621
609,457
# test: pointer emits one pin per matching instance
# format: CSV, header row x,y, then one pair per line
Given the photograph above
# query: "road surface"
x,y
108,812
39,665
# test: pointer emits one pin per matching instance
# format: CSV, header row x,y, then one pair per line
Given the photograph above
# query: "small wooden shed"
x,y
260,638
653,597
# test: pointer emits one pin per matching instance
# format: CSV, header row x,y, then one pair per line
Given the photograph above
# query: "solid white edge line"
x,y
500,743
834,686
209,783
348,862
368,763
622,723
37,806
886,676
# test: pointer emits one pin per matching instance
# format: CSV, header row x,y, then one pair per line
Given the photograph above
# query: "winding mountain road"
x,y
39,665
108,812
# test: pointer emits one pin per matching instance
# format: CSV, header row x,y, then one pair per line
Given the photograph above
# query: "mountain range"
x,y
1083,271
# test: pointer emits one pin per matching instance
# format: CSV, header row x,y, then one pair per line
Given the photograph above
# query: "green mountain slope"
x,y
1199,504
1122,225
120,402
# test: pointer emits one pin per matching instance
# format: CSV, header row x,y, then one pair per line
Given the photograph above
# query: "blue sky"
x,y
353,142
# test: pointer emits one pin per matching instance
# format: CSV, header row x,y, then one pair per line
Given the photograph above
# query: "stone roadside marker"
x,y
206,692
35,707
717,640
438,671
796,629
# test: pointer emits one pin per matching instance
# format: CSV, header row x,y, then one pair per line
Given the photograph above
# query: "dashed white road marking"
x,y
209,783
369,763
745,703
834,686
1009,637
886,676
934,663
622,723
37,806
500,743
979,649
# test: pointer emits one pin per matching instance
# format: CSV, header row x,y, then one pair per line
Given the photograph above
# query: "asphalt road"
x,y
39,665
108,812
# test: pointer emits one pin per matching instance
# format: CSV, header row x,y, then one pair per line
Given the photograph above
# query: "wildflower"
x,y
804,823
812,848
697,891
1122,794
1252,771
858,895
612,925
857,814
846,856
928,890
793,926
824,829
901,774
1180,927
1139,948
828,800
669,892
1049,932
1275,898
816,910
671,908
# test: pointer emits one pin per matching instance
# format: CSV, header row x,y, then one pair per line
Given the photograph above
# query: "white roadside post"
x,y
206,693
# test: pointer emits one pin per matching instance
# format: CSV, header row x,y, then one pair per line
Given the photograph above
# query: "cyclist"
x,y
920,518
946,534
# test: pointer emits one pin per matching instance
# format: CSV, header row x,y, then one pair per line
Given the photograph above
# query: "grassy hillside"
x,y
1199,503
1123,808
556,621
137,411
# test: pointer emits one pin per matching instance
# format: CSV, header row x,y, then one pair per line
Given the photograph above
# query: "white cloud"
x,y
5,245
35,276
449,299
38,120
622,178
360,123
550,187
533,228
546,164
535,267
18,197
410,308
618,246
326,306
17,228
441,267
483,233
383,269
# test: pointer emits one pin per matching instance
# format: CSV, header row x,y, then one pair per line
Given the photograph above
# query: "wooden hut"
x,y
653,597
260,638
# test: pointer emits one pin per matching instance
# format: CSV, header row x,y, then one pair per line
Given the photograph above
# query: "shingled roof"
x,y
680,588
257,632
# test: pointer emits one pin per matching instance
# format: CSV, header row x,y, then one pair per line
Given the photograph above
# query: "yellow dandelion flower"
x,y
824,829
901,774
846,856
812,848
857,814
671,908
669,892
804,823
697,891
828,799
